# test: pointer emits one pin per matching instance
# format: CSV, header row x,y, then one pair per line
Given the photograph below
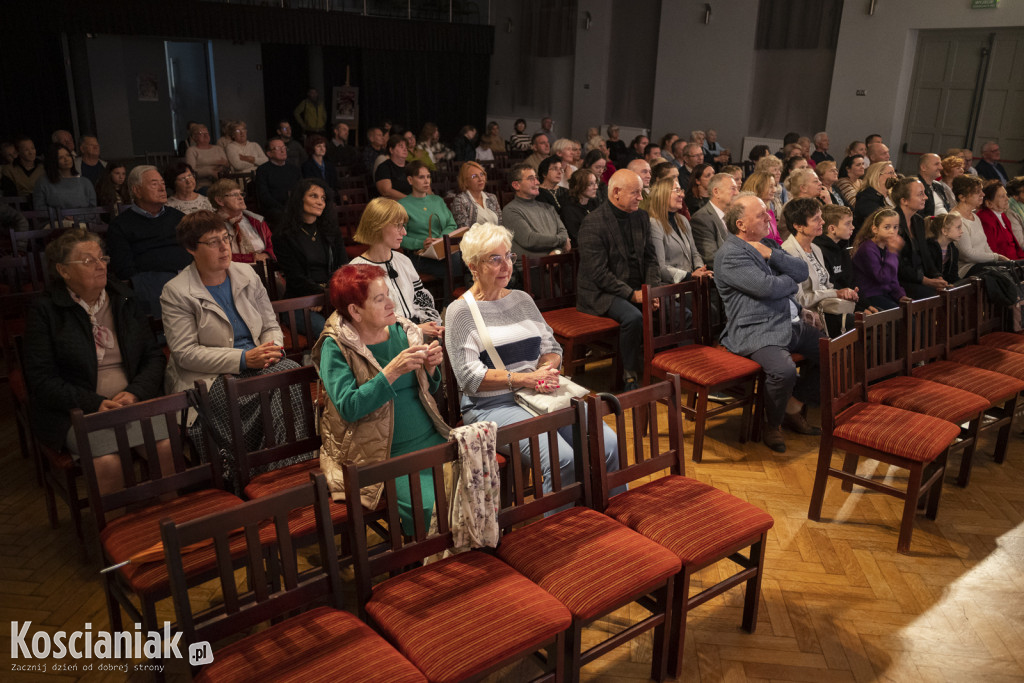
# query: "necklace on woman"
x,y
554,198
310,235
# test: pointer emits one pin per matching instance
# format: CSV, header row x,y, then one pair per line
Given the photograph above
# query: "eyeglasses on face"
x,y
234,195
216,242
89,261
477,176
497,259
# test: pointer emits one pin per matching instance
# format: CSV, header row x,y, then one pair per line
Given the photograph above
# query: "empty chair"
x,y
700,524
915,442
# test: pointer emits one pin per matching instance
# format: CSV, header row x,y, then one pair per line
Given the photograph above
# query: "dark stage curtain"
x,y
33,88
410,88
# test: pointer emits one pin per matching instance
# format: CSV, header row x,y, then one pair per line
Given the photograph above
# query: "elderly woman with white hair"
x,y
524,342
565,149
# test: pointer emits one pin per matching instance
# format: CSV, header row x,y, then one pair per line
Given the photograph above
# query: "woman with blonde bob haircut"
x,y
529,352
381,228
472,204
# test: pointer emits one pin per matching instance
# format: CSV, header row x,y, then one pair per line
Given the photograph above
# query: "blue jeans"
x,y
504,410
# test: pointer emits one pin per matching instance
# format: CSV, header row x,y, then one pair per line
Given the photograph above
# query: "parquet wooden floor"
x,y
838,603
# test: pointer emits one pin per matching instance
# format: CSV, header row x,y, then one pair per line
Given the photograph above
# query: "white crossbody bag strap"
x,y
481,328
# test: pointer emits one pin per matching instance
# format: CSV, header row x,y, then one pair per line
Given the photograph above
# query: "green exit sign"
x,y
984,4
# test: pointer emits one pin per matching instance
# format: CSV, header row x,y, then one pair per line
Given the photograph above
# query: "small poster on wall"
x,y
148,88
345,104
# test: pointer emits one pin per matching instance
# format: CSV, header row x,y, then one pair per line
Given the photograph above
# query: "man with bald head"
x,y
757,281
617,259
929,170
877,151
643,169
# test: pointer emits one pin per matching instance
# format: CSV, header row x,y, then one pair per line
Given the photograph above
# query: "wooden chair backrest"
x,y
842,376
551,281
452,408
883,344
923,330
450,242
289,312
86,217
267,272
635,461
961,315
155,482
398,551
292,389
667,326
994,316
253,526
526,499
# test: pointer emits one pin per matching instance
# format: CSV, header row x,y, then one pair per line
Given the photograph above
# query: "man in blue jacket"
x,y
757,281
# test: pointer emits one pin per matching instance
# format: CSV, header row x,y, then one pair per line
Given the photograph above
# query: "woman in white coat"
x,y
218,320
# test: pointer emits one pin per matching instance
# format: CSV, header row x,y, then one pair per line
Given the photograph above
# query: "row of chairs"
x,y
908,386
566,558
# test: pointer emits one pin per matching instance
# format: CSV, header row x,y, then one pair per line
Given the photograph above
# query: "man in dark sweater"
x,y
617,258
143,241
338,150
274,180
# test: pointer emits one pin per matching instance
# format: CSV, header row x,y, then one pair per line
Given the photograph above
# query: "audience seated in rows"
x,y
275,181
243,154
473,205
316,164
88,162
709,229
61,187
207,159
536,227
582,199
249,233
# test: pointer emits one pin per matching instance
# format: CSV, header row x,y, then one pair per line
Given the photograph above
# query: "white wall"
x,y
705,73
876,53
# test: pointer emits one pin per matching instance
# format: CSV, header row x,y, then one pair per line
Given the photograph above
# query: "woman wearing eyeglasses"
x,y
527,346
86,346
472,204
382,227
218,320
249,233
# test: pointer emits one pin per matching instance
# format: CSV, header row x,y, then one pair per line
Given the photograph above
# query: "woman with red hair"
x,y
375,367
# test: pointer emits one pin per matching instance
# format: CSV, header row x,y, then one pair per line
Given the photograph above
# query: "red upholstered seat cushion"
x,y
994,386
694,520
704,364
928,398
1008,341
324,644
990,358
454,618
568,322
587,560
909,435
139,531
282,479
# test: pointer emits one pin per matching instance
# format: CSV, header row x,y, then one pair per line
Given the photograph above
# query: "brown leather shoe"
x,y
795,422
772,438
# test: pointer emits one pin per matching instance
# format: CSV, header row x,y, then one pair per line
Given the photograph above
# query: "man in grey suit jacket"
x,y
709,231
757,282
616,259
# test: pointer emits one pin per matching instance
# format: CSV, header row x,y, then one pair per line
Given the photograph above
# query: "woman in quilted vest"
x,y
375,366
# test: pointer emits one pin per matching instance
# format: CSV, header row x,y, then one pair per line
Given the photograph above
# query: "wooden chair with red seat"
x,y
462,617
993,318
551,282
887,383
591,563
962,334
677,346
321,640
926,357
699,523
150,495
911,441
